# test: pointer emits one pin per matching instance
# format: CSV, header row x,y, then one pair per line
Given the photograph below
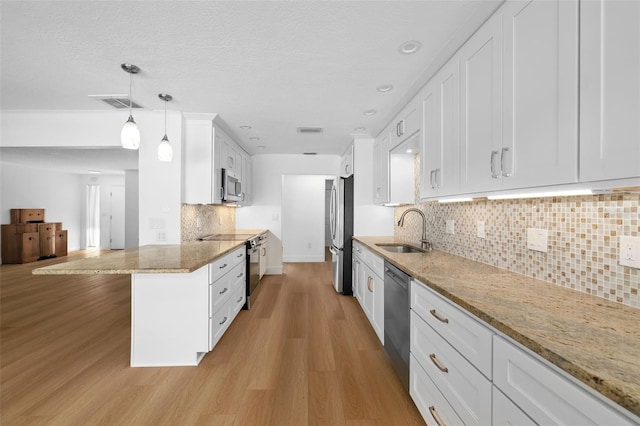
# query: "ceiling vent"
x,y
117,101
310,129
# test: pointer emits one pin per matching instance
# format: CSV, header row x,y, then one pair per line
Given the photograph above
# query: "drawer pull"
x,y
222,266
370,284
436,416
240,255
239,300
223,321
241,274
438,364
438,317
224,290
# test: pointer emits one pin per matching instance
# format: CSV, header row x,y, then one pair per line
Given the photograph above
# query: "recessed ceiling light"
x,y
245,127
384,88
360,129
254,139
409,47
370,112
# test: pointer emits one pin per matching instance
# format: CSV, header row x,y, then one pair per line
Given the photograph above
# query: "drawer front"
x,y
218,324
237,301
468,391
224,264
375,262
238,277
221,290
506,413
544,393
434,407
27,227
459,328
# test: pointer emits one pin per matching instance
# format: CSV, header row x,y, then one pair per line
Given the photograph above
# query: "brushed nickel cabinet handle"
x,y
222,266
438,364
224,290
223,321
438,317
370,284
240,255
493,172
436,416
239,300
241,274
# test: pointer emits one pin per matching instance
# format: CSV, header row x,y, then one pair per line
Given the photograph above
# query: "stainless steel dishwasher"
x,y
396,320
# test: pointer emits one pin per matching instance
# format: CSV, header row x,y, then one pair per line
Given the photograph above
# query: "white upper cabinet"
x,y
519,98
346,163
440,153
540,93
609,90
481,107
381,168
201,183
207,150
406,124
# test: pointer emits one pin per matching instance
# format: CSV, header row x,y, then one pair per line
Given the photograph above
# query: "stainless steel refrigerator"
x,y
341,224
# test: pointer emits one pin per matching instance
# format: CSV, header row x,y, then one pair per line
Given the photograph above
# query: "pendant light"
x,y
165,152
130,135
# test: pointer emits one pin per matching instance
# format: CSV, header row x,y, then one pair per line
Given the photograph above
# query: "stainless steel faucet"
x,y
424,243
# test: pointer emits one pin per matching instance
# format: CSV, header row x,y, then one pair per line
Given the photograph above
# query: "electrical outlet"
x,y
161,235
450,225
629,254
480,229
537,239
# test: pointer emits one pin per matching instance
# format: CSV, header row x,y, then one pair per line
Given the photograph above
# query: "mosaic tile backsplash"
x,y
212,220
583,240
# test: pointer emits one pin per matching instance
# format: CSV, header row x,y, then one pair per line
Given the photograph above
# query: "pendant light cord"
x,y
165,117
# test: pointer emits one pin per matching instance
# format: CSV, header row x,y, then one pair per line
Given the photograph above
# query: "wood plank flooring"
x,y
303,355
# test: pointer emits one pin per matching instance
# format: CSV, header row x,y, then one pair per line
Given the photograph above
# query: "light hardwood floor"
x,y
303,355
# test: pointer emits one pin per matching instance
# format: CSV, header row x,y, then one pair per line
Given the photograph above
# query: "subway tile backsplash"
x,y
583,240
212,220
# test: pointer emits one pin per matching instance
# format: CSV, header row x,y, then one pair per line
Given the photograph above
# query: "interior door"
x,y
117,217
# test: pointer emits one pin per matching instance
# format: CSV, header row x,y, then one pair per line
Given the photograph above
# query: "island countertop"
x,y
150,259
595,340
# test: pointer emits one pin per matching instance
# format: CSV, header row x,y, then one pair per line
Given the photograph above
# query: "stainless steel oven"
x,y
254,249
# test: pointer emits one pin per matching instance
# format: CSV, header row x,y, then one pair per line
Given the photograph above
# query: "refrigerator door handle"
x,y
333,250
332,212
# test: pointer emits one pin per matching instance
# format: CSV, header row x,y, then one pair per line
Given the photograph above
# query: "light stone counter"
x,y
151,259
594,340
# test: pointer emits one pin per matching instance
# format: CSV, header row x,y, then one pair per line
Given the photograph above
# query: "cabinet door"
x,y
198,160
378,306
346,165
61,243
481,108
441,133
245,178
406,124
367,297
540,92
381,169
609,90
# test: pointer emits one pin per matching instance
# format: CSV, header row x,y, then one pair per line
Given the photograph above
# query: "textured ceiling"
x,y
268,64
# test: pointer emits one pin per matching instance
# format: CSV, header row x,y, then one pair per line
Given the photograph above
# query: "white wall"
x,y
303,218
265,213
60,194
368,218
131,224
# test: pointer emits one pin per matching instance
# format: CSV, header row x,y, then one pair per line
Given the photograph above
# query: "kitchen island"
x,y
183,296
593,340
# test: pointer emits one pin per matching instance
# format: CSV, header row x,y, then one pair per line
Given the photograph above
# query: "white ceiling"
x,y
273,65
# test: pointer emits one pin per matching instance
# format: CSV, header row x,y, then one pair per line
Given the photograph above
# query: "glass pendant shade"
x,y
130,135
165,152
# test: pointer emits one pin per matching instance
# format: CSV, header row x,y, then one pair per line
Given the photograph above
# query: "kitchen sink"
x,y
401,248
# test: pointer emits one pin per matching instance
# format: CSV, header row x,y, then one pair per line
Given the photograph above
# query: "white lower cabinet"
x,y
545,394
506,413
368,276
177,318
432,405
455,377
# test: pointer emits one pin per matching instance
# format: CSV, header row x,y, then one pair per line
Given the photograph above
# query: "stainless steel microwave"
x,y
231,186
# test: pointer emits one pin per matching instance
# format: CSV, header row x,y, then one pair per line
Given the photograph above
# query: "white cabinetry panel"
x,y
609,89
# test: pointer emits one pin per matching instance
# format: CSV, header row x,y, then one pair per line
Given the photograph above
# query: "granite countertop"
x,y
595,340
150,259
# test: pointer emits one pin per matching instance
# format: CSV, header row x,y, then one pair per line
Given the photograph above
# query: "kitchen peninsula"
x,y
183,296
